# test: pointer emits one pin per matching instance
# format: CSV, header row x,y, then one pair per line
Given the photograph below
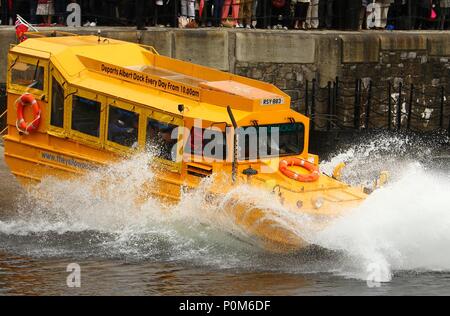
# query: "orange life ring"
x,y
22,126
312,176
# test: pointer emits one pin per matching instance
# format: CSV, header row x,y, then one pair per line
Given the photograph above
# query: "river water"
x,y
396,243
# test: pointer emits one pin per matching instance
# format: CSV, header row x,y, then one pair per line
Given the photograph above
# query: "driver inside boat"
x,y
123,128
159,136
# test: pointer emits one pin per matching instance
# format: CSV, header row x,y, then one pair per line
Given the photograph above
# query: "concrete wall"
x,y
290,58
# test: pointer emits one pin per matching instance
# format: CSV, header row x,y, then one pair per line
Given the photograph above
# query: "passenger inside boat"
x,y
270,140
86,116
209,143
123,127
160,140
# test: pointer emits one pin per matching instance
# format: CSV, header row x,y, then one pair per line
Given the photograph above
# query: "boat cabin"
x,y
102,98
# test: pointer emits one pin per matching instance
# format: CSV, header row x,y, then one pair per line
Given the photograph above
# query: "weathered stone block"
x,y
275,47
439,45
360,48
202,46
403,41
161,40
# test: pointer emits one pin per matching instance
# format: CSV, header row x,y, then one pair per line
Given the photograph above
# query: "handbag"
x,y
278,3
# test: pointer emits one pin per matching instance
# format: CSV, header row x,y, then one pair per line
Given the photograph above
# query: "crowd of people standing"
x,y
277,14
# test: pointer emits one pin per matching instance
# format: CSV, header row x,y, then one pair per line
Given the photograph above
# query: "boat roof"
x,y
136,73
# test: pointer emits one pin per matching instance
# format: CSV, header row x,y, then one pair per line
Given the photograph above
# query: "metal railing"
x,y
363,105
333,14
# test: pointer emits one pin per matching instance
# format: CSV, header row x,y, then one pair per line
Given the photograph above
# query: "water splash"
x,y
406,224
403,226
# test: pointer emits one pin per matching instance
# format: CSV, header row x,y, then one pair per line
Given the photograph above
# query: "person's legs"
x,y
309,17
140,22
205,13
226,9
446,16
235,10
322,13
362,17
329,14
314,14
286,14
4,12
353,8
255,7
33,5
297,13
183,4
304,6
384,9
60,10
240,20
191,9
12,13
421,18
170,13
267,10
218,7
339,18
248,9
443,16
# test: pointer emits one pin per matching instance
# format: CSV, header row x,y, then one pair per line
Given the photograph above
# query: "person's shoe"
x,y
87,23
192,25
227,24
248,27
254,22
93,24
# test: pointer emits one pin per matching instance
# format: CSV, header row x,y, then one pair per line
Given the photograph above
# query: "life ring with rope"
x,y
27,99
312,176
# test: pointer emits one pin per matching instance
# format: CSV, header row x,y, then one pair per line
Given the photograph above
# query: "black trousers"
x,y
166,14
347,14
33,6
281,15
326,14
5,12
140,6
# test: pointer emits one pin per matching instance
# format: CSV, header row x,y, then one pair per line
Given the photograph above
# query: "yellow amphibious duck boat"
x,y
79,102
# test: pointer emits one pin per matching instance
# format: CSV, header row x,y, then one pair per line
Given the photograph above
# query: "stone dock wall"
x,y
335,77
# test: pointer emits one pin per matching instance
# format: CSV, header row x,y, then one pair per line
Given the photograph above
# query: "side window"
x,y
123,127
86,116
161,139
57,108
27,75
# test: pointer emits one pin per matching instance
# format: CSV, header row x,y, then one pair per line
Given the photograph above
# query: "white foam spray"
x,y
403,226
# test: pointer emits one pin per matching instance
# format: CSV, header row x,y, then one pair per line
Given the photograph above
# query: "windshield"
x,y
273,140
